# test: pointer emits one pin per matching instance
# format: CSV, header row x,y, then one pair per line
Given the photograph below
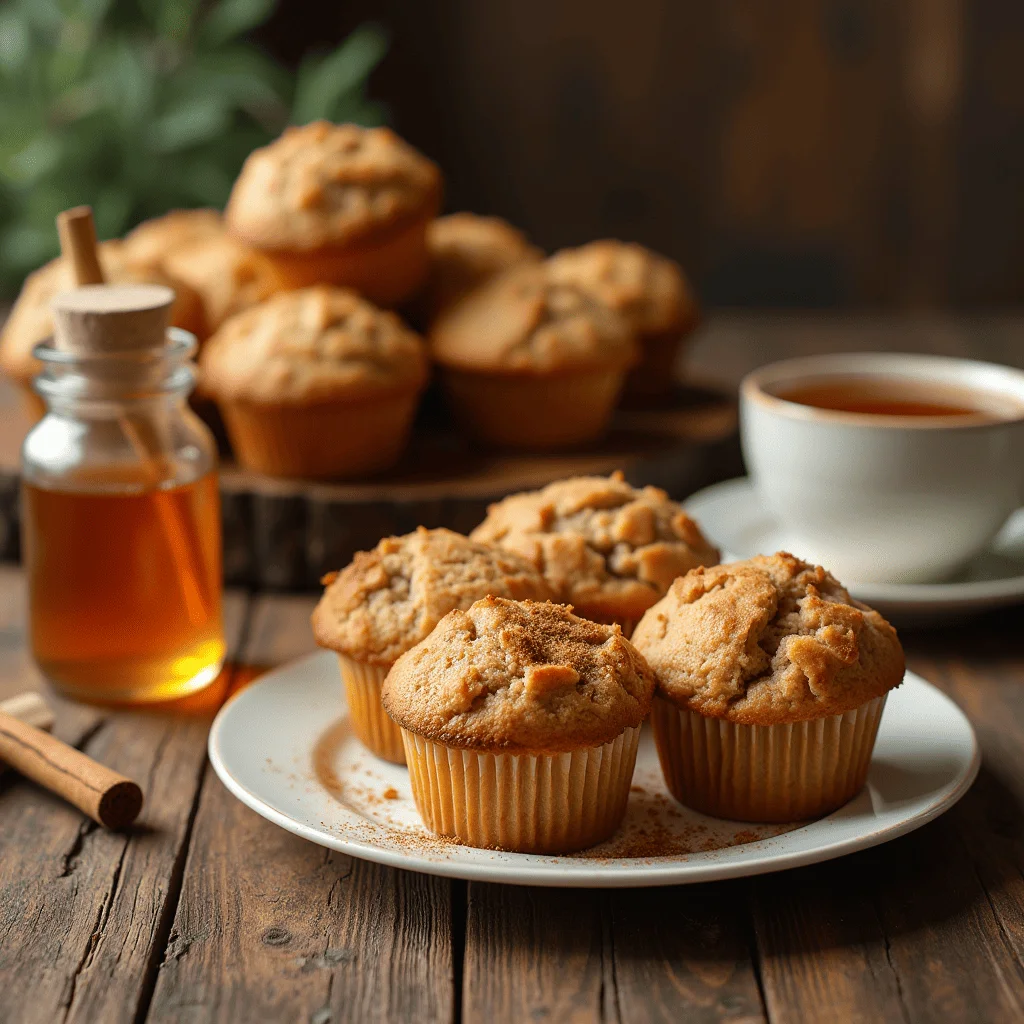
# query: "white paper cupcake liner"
x,y
765,772
370,721
530,803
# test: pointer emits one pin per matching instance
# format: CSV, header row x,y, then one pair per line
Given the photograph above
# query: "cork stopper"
x,y
101,318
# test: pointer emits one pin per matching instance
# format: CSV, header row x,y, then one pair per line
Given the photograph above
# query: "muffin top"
x,y
153,240
523,322
330,184
31,322
519,677
388,599
466,250
607,548
649,290
229,275
312,345
768,641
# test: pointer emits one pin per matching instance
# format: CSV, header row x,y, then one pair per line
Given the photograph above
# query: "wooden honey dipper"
x,y
126,318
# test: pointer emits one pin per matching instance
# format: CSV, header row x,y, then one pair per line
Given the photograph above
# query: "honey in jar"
x,y
120,507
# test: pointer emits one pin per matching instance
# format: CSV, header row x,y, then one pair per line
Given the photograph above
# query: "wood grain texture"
x,y
84,912
272,928
804,152
637,956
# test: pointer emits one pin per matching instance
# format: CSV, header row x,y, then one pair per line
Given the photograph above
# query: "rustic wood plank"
x,y
84,912
654,955
272,928
684,954
929,927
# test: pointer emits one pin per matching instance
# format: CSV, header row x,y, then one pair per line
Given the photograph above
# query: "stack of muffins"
x,y
330,228
512,669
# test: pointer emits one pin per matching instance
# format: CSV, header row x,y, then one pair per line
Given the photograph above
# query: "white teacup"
x,y
887,498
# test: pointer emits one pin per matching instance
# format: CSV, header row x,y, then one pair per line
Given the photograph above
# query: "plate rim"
x,y
977,592
703,866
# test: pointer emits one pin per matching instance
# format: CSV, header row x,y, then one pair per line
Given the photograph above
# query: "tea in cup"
x,y
882,467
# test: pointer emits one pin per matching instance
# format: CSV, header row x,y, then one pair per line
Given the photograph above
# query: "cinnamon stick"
x,y
106,796
77,233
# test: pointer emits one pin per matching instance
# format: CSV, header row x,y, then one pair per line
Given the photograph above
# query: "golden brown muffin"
x,y
153,240
771,685
528,363
316,383
649,290
389,599
465,251
30,321
520,722
339,204
608,549
228,275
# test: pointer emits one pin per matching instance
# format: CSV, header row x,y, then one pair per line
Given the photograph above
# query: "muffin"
x,y
315,383
771,685
339,204
388,600
650,291
608,549
467,250
194,247
229,276
520,722
30,321
153,240
531,364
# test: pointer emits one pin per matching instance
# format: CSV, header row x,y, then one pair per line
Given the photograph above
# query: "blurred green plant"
x,y
141,106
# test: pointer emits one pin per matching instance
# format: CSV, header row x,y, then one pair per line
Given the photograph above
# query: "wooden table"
x,y
207,912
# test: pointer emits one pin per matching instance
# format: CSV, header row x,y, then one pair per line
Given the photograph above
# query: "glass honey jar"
x,y
120,505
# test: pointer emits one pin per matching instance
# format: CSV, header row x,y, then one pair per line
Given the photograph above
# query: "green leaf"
x,y
191,124
322,83
14,42
229,19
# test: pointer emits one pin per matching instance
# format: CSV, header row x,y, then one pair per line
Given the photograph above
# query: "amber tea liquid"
x,y
125,589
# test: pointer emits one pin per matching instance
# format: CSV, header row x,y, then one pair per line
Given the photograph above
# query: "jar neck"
x,y
109,383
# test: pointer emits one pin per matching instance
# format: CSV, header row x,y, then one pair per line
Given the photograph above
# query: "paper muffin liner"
x,y
534,411
323,440
386,269
654,376
370,722
765,772
529,803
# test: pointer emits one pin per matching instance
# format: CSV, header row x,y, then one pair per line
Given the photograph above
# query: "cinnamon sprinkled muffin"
x,y
609,549
771,685
30,321
465,251
529,363
649,290
389,599
316,383
339,204
520,722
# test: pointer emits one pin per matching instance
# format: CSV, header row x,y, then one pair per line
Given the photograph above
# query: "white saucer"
x,y
736,520
284,747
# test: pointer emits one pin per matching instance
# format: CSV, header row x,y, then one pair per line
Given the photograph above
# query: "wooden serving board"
x,y
286,534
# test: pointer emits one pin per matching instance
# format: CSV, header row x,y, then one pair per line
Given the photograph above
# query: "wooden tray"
x,y
286,534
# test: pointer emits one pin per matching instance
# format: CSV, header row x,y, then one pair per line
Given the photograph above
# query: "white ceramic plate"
x,y
284,747
734,517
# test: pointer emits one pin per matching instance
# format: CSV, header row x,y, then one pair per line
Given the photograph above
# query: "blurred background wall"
x,y
790,153
822,153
